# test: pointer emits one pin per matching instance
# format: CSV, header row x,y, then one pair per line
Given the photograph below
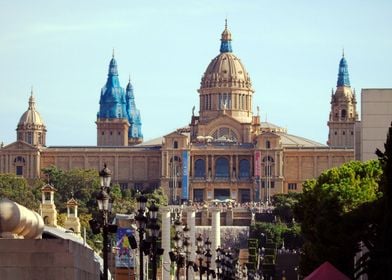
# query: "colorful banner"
x,y
185,175
124,253
257,164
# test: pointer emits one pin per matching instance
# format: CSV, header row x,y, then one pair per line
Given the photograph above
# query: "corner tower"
x,y
118,120
225,87
343,113
31,128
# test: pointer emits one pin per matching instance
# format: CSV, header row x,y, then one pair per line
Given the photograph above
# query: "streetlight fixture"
x,y
148,247
208,255
182,248
154,234
200,254
105,208
141,221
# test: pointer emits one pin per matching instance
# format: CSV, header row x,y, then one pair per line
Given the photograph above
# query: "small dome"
x,y
31,116
226,70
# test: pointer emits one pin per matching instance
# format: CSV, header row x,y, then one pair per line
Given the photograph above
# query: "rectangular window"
x,y
271,184
123,186
138,186
19,170
198,195
292,186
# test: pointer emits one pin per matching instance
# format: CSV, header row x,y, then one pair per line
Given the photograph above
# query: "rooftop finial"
x,y
226,40
113,53
343,52
31,99
129,80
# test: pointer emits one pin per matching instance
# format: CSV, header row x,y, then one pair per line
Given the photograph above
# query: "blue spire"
x,y
226,40
343,78
112,101
135,129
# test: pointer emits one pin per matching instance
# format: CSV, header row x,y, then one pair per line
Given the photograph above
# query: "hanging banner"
x,y
185,175
124,253
257,164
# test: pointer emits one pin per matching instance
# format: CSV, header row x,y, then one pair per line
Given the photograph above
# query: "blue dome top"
x,y
226,40
343,77
112,102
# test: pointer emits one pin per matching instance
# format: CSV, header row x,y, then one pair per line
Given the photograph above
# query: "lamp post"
x,y
154,233
141,221
200,254
187,247
218,261
208,255
104,206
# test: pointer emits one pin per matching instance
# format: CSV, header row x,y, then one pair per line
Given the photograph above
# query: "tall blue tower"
x,y
343,114
117,113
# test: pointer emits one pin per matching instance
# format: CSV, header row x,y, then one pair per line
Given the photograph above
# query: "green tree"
x,y
377,263
83,184
284,206
326,212
16,189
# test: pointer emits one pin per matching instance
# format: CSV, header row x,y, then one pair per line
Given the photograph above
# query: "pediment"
x,y
175,134
20,145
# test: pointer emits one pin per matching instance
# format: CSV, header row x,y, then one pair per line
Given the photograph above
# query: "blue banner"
x,y
124,254
185,175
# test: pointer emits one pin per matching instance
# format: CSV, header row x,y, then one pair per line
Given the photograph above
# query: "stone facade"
x,y
225,153
376,117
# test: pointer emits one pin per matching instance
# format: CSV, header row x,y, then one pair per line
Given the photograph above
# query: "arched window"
x,y
268,163
222,168
344,114
175,145
268,144
200,168
244,169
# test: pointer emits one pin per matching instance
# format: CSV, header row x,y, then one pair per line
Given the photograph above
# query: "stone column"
x,y
191,222
215,232
165,211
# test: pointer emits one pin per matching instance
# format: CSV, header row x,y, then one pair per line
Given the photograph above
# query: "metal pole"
x,y
178,271
141,272
200,268
154,259
105,251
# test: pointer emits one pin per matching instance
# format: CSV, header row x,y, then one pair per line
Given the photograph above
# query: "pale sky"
x,y
291,50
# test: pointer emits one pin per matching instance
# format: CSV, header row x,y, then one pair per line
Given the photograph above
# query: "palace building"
x,y
226,152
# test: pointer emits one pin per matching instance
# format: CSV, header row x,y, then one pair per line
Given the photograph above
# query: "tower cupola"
x,y
31,127
226,40
343,113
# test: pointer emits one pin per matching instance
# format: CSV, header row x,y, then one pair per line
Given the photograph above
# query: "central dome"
x,y
225,88
226,70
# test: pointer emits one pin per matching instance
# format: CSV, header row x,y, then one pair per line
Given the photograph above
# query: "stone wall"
x,y
46,259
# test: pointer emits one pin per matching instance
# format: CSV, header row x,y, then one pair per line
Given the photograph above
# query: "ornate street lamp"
x,y
218,261
105,207
208,255
200,254
141,221
154,234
